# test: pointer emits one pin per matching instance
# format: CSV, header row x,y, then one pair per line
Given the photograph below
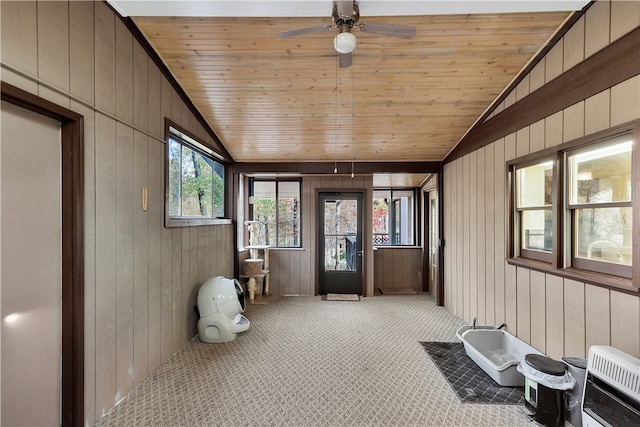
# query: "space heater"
x,y
612,388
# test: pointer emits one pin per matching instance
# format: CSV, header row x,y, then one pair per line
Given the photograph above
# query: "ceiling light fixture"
x,y
344,42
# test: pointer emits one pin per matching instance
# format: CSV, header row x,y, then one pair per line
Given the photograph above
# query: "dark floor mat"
x,y
468,380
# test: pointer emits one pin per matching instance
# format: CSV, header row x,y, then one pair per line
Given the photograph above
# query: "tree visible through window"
x,y
276,208
196,180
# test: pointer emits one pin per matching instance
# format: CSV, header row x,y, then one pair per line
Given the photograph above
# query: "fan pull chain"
x,y
335,124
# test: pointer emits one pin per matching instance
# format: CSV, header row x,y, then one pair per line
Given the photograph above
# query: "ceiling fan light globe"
x,y
345,42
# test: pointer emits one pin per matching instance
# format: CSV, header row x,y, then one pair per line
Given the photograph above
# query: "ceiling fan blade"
x,y
303,31
393,30
345,59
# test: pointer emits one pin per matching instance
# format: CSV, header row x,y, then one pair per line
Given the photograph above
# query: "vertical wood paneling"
x,y
597,112
105,57
554,62
448,230
573,122
536,136
522,142
625,323
140,87
522,89
523,304
500,233
124,258
156,227
574,44
124,72
274,276
511,298
538,308
156,119
466,265
166,310
185,283
574,336
295,272
141,302
625,101
489,237
555,317
105,250
596,31
481,198
553,130
472,233
53,44
20,36
537,75
626,16
597,316
81,54
176,290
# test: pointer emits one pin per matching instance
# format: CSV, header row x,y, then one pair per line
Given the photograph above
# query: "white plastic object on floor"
x,y
220,302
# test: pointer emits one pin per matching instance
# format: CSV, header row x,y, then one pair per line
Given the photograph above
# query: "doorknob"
x,y
360,253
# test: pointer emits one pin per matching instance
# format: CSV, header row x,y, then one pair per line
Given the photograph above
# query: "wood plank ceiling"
x,y
285,100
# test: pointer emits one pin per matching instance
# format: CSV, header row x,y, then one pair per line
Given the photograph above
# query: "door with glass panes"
x,y
340,243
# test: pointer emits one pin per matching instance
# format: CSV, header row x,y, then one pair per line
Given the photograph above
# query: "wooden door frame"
x,y
72,158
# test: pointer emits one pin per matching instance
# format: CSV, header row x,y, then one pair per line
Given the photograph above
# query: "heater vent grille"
x,y
617,368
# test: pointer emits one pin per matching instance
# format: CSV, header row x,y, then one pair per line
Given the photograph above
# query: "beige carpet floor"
x,y
308,362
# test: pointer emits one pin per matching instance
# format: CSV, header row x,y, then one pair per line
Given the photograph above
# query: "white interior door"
x,y
30,266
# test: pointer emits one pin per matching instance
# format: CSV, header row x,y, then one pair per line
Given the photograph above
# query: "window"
x,y
534,214
393,217
573,208
275,209
195,182
600,211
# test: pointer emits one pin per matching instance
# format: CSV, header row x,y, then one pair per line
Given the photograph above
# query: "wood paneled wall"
x,y
141,279
560,317
398,268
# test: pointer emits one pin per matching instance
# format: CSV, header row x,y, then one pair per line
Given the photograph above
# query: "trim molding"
x,y
344,168
612,65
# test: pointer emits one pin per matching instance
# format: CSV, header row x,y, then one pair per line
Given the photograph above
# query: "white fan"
x,y
345,16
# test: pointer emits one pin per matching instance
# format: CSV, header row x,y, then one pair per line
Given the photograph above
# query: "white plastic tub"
x,y
497,352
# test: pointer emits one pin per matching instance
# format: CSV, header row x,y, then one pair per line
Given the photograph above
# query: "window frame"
x,y
570,212
277,181
562,263
186,139
393,217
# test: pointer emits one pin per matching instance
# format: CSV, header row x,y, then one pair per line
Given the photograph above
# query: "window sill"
x,y
194,222
621,284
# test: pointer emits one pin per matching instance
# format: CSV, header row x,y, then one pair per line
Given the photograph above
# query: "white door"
x,y
30,266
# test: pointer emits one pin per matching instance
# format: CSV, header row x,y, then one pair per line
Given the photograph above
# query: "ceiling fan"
x,y
346,14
